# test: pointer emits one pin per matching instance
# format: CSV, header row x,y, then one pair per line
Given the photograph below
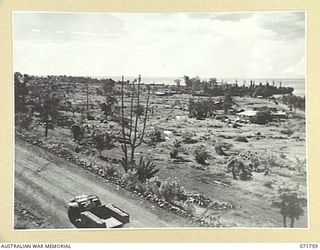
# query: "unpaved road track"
x,y
45,182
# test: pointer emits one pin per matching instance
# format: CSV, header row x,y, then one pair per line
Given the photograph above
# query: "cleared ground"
x,y
282,144
45,183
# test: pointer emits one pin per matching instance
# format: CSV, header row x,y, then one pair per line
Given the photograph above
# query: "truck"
x,y
87,211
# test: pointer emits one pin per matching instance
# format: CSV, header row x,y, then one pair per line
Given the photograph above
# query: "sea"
x,y
299,84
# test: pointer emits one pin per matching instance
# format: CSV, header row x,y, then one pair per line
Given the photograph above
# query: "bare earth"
x,y
45,183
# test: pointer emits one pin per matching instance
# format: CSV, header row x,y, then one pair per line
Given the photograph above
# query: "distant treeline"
x,y
63,78
194,86
213,88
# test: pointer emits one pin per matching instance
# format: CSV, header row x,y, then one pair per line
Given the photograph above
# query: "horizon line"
x,y
177,77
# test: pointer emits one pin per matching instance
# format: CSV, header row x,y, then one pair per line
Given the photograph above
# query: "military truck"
x,y
87,211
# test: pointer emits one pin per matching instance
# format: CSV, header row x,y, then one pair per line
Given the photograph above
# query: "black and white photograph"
x,y
160,120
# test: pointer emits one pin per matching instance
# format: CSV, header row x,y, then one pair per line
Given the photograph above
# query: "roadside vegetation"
x,y
188,154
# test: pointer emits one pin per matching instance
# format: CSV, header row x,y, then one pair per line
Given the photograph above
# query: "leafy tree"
x,y
177,82
187,81
196,83
227,103
108,89
213,80
108,86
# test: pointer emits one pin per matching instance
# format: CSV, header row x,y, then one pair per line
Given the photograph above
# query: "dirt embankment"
x,y
45,183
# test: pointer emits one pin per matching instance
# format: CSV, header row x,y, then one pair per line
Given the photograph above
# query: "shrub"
x,y
241,139
189,207
157,136
170,190
99,142
106,109
23,121
139,110
240,169
130,178
177,144
90,117
175,151
201,155
145,170
109,170
199,199
262,117
300,165
126,164
109,141
201,109
245,174
263,161
288,132
268,184
210,220
153,184
188,138
290,205
219,150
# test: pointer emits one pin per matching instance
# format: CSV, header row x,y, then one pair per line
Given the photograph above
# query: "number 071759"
x,y
313,246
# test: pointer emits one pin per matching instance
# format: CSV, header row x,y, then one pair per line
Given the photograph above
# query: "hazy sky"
x,y
258,44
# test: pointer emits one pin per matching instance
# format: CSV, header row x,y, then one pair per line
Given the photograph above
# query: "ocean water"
x,y
297,83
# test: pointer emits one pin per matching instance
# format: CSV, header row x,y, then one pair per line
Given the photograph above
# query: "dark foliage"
x,y
201,155
145,170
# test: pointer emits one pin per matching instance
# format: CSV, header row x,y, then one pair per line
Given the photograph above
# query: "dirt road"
x,y
45,183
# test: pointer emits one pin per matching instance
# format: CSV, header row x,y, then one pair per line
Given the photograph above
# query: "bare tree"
x,y
133,138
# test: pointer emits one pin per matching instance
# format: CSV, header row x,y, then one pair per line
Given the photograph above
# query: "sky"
x,y
235,45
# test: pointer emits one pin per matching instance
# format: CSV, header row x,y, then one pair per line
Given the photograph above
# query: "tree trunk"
x,y
292,222
132,155
284,221
46,127
124,145
46,131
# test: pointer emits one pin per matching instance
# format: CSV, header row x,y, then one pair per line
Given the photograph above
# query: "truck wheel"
x,y
74,216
